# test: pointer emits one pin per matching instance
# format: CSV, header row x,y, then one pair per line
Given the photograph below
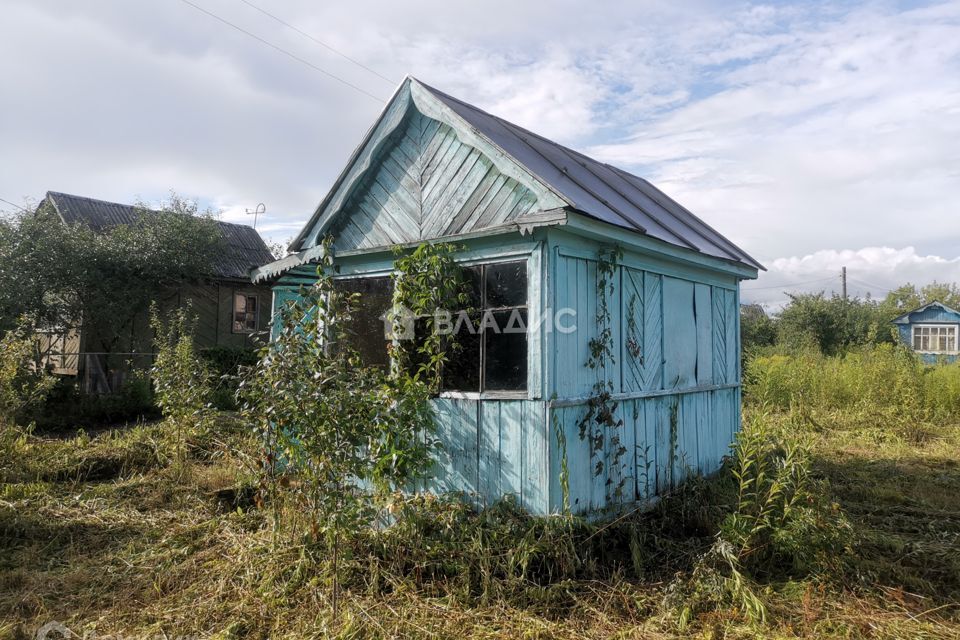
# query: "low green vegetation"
x,y
837,514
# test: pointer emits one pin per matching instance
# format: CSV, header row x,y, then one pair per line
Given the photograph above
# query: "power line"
x,y
790,284
872,286
283,51
25,210
319,42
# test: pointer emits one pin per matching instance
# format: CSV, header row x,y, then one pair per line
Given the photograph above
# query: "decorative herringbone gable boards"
x,y
428,183
422,172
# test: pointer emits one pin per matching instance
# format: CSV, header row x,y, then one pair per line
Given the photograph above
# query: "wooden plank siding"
x,y
675,375
428,183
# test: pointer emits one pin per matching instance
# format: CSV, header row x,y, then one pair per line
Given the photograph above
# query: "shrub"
x,y
343,428
225,364
874,378
181,381
781,526
23,383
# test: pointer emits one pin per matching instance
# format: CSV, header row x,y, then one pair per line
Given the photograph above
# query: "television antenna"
x,y
256,212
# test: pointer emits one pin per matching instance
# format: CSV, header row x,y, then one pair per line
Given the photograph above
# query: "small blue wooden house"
x,y
931,331
535,219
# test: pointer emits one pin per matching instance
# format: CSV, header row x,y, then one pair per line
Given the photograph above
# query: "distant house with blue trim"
x,y
535,220
931,331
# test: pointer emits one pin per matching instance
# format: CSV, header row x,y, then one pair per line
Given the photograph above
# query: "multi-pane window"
x,y
244,313
490,333
935,338
366,331
492,340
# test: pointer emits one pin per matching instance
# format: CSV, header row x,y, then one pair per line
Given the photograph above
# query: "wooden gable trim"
x,y
412,95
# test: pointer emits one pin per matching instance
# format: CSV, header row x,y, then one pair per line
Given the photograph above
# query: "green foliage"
x,y
833,324
599,424
757,329
225,365
909,297
426,281
881,377
781,525
57,273
66,406
345,429
23,383
181,381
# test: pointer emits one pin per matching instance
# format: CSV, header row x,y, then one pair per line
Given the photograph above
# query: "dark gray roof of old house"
x,y
243,250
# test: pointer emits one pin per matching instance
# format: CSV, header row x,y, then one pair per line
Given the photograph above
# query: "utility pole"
x,y
843,277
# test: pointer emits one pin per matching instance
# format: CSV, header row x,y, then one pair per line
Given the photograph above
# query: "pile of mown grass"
x,y
111,534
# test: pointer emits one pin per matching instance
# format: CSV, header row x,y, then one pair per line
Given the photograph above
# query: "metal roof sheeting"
x,y
597,189
244,249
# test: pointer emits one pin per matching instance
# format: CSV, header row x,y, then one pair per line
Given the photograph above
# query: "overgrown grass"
x,y
100,534
838,515
883,377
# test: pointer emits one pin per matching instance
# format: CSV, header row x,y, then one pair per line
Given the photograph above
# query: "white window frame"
x,y
233,313
917,327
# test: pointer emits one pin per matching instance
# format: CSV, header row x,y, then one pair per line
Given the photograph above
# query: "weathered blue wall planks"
x,y
675,378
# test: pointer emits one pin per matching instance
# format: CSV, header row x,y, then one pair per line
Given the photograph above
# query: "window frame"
x,y
954,328
527,258
233,313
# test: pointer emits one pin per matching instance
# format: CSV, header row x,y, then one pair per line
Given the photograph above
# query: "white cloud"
x,y
872,271
789,127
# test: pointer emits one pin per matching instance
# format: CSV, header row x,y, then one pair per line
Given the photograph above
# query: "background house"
x,y
931,331
229,309
534,218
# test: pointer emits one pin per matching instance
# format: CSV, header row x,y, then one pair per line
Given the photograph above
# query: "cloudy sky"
x,y
813,134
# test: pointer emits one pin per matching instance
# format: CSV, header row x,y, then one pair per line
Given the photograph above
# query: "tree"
x,y
909,297
832,324
66,275
757,329
343,427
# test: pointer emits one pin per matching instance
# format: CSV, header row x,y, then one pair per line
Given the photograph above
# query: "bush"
x,y
67,406
182,383
873,378
224,365
23,383
781,526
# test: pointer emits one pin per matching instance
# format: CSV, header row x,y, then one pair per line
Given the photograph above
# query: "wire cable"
x,y
25,210
319,42
790,284
872,286
283,51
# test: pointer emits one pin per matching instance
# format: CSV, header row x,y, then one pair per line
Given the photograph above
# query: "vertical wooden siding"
x,y
675,375
492,448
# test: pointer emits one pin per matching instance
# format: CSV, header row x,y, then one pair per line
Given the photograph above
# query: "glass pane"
x,y
367,324
462,372
506,284
505,368
916,341
239,303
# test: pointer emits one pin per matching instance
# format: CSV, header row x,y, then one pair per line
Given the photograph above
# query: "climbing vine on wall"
x,y
600,426
426,280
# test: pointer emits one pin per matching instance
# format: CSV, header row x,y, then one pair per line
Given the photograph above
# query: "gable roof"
x,y
562,177
905,318
244,249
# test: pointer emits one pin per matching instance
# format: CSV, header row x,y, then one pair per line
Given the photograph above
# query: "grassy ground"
x,y
109,534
